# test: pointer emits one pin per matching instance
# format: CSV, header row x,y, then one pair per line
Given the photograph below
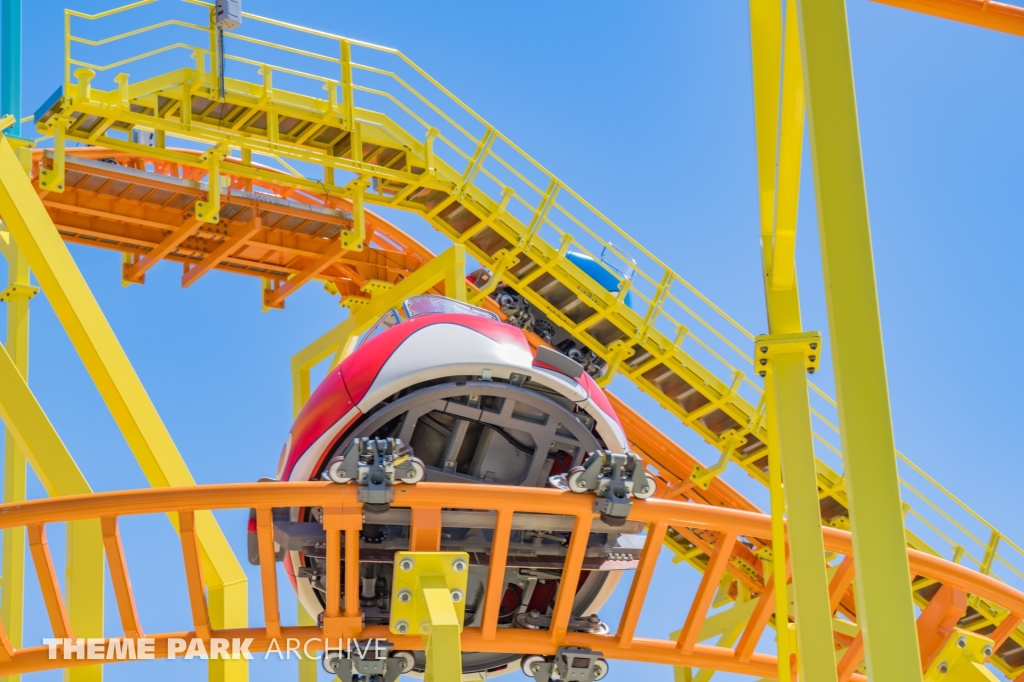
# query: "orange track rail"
x,y
343,513
993,15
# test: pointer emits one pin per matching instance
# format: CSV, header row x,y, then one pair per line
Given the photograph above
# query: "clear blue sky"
x,y
646,110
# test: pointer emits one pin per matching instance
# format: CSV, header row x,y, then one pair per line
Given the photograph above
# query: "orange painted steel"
x,y
119,577
145,208
343,513
982,13
717,565
48,583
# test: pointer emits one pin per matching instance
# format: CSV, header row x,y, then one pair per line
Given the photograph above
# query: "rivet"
x,y
406,564
405,595
402,627
456,596
459,565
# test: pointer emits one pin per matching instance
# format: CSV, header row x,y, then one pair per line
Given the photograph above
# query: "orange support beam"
x,y
762,613
852,659
425,533
840,582
496,574
227,247
1005,629
937,620
717,563
982,13
268,571
119,577
570,576
194,573
48,584
332,526
641,582
136,272
274,298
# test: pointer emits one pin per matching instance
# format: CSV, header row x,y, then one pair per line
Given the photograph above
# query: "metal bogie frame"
x,y
536,424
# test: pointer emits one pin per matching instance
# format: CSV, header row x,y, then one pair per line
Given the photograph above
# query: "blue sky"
x,y
646,111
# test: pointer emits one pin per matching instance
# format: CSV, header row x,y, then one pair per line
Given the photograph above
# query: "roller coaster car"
x,y
446,392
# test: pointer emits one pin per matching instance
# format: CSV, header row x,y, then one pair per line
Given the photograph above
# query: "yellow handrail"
x,y
668,289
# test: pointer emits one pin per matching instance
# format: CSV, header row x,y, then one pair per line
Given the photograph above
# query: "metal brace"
x,y
614,478
209,211
767,346
569,664
376,661
376,464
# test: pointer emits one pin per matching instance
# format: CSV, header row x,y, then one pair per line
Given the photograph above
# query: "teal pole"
x,y
10,61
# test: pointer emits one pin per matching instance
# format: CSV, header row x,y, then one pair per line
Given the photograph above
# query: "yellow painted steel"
x,y
649,329
17,294
53,465
552,212
962,659
885,607
782,357
429,599
30,430
80,314
12,573
449,267
816,658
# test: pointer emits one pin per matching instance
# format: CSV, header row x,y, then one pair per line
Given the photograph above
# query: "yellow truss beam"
x,y
885,606
122,391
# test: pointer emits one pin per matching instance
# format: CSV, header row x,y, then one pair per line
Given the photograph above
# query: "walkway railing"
x,y
379,88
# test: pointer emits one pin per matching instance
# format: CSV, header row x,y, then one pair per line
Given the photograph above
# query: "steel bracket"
x,y
429,599
26,291
961,659
767,346
209,211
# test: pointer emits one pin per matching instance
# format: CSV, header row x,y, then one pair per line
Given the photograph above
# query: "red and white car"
x,y
465,392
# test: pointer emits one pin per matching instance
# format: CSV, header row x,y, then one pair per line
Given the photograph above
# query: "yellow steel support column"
x,y
787,358
779,557
36,438
779,111
443,651
84,545
884,602
131,407
12,573
429,599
